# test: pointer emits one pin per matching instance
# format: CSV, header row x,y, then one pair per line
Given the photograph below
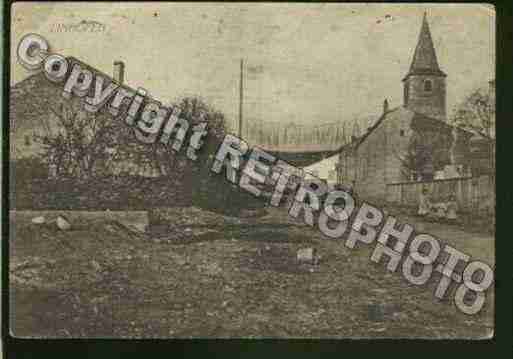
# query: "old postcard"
x,y
251,170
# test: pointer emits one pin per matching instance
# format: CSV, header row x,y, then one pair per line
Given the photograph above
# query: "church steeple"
x,y
424,85
424,58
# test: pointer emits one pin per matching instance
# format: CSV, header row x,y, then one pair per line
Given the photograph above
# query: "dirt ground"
x,y
236,279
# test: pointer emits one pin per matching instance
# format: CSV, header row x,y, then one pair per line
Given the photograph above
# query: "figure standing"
x,y
424,203
452,209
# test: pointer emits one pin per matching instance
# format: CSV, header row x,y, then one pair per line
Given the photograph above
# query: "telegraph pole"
x,y
241,96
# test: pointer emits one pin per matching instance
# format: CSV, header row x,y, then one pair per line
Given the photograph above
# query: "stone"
x,y
252,213
38,220
62,223
401,316
307,255
96,265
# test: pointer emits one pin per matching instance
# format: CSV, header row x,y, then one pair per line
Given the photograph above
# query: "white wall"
x,y
324,169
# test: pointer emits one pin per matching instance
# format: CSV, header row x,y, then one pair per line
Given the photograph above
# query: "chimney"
x,y
385,106
119,72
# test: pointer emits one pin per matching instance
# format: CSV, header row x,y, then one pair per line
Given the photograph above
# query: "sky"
x,y
304,63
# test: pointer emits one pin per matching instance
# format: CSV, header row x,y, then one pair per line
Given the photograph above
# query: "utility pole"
x,y
241,96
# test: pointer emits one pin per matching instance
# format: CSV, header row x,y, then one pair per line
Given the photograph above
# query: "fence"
x,y
290,136
473,194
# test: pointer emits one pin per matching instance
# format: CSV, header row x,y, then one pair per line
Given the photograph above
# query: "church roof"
x,y
424,58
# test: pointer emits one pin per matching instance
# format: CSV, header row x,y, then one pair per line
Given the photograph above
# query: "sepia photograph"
x,y
251,170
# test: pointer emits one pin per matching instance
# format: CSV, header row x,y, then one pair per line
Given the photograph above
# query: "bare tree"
x,y
476,113
162,158
81,145
86,144
425,152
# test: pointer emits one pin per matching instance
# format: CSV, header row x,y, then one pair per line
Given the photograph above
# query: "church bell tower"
x,y
424,85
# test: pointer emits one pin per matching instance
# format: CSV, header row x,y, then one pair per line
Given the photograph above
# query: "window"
x,y
27,140
406,93
401,132
428,86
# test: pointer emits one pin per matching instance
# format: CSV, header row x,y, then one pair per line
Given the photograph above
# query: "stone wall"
x,y
473,194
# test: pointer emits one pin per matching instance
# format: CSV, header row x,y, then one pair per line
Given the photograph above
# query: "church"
x,y
410,143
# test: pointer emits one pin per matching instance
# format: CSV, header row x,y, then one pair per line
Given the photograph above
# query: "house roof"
x,y
32,103
28,99
373,127
418,120
302,159
31,99
424,58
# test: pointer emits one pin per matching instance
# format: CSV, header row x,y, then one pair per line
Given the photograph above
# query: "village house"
x,y
412,142
32,106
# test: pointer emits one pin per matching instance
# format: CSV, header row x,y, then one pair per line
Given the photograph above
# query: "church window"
x,y
428,86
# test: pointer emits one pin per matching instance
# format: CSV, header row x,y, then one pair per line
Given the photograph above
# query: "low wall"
x,y
472,193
